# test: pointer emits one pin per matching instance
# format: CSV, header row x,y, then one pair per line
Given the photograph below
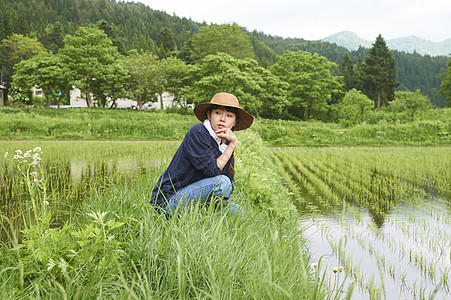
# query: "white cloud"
x,y
429,19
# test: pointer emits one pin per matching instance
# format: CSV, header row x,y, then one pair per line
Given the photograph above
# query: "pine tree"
x,y
445,86
358,74
380,74
347,71
166,43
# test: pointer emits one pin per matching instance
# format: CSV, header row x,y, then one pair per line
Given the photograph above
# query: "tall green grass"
x,y
434,128
117,246
83,123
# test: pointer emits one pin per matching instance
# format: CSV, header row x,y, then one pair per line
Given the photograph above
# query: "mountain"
x,y
347,39
409,44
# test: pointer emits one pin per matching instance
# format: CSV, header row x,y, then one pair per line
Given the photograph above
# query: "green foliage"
x,y
445,86
145,73
166,43
378,132
228,38
175,74
347,71
264,55
353,108
47,72
379,74
258,178
16,48
411,102
415,71
258,90
95,63
53,37
311,84
383,127
76,123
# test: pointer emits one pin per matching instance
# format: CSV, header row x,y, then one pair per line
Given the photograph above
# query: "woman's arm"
x,y
230,137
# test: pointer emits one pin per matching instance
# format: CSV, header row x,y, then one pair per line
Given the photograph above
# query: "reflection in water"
x,y
405,256
69,183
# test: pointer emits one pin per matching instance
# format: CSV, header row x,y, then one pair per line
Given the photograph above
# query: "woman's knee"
x,y
224,186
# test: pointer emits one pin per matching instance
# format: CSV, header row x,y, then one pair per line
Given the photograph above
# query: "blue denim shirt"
x,y
194,160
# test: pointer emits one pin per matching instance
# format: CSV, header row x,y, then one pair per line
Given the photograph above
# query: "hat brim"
x,y
245,120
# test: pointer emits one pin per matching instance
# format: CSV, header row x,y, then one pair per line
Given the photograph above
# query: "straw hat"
x,y
225,99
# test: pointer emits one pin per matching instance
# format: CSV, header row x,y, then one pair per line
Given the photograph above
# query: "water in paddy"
x,y
407,256
381,215
74,170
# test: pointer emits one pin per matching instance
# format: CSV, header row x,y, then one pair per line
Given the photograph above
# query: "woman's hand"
x,y
228,135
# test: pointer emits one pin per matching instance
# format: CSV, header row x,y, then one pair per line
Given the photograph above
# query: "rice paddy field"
x,y
381,215
369,223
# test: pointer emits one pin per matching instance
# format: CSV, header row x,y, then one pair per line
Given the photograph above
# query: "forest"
x,y
136,26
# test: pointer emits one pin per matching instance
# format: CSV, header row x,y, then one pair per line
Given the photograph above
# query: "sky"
x,y
317,19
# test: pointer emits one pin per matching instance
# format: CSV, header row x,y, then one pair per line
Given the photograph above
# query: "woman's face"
x,y
221,118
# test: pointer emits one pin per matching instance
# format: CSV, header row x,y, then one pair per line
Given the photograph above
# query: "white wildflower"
x,y
314,266
6,154
37,149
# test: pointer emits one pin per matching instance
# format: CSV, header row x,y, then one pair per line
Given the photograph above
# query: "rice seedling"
x,y
401,194
68,173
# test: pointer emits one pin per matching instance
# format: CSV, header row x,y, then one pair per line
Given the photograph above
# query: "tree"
x,y
347,71
227,38
47,72
380,74
166,43
146,77
445,85
111,86
257,89
412,102
175,73
311,84
111,33
358,74
15,49
53,38
354,106
90,55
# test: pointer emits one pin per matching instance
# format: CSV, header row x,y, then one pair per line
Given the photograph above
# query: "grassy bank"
x,y
433,128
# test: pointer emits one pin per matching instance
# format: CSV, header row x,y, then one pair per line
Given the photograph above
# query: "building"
x,y
2,95
78,100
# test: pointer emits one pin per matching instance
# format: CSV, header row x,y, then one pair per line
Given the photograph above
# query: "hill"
x,y
410,44
137,26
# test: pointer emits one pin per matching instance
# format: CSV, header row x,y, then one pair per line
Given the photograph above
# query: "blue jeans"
x,y
219,186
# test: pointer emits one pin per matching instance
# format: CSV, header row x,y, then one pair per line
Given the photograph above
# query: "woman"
x,y
202,167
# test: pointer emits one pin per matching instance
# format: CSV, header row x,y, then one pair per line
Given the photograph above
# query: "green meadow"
x,y
432,127
331,212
